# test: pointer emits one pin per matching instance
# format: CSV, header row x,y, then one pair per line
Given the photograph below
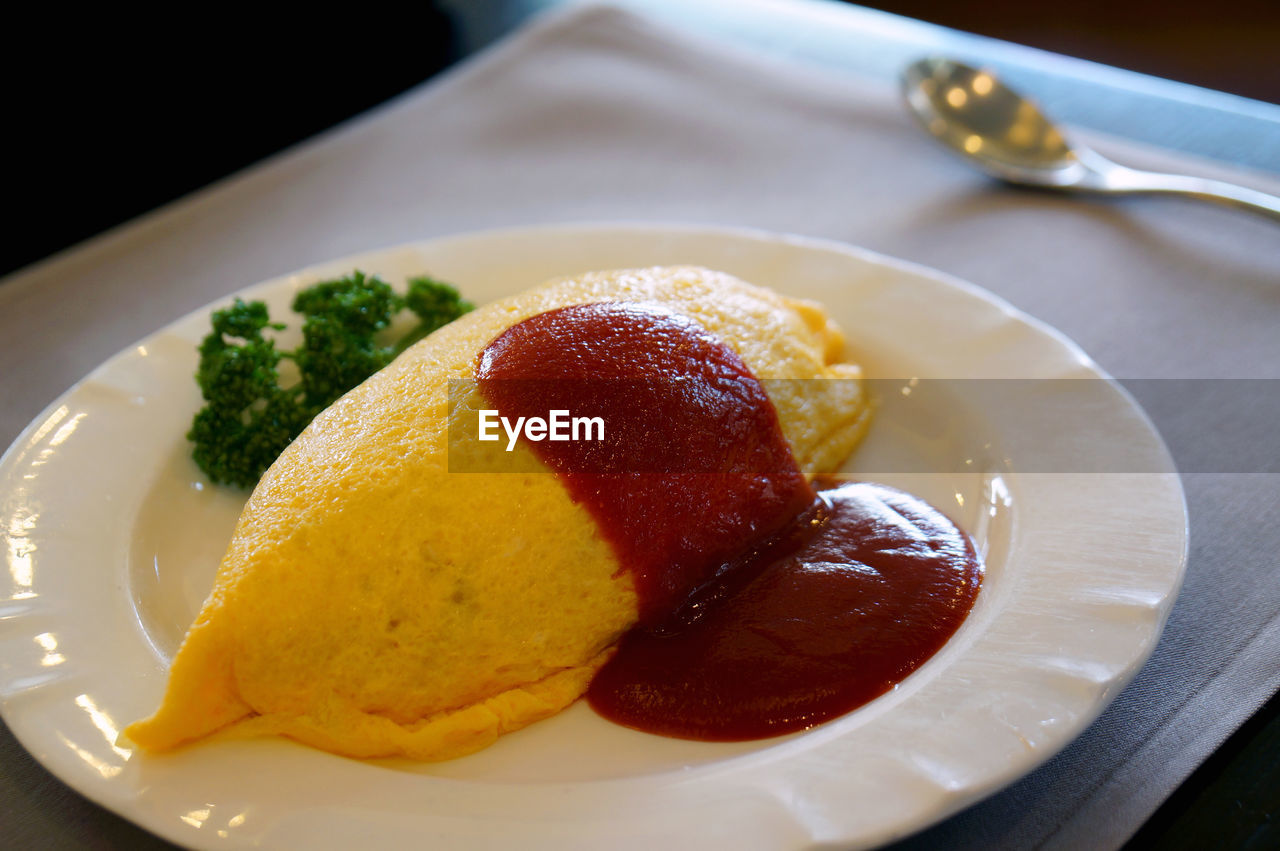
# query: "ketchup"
x,y
693,468
832,616
764,607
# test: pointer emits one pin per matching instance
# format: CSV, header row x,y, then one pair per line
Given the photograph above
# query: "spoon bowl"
x,y
972,112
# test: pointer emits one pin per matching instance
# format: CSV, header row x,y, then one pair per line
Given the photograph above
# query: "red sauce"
x,y
763,608
665,493
832,616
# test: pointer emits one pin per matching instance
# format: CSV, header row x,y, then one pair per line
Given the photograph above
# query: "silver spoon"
x,y
1006,134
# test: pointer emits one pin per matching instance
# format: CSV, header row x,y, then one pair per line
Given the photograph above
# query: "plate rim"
x,y
104,794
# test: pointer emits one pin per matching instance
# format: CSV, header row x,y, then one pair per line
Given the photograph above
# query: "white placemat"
x,y
599,115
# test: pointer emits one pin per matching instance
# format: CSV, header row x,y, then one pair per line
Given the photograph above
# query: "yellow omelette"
x,y
373,604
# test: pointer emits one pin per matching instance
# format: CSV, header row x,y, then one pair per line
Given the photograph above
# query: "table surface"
x,y
877,45
1232,799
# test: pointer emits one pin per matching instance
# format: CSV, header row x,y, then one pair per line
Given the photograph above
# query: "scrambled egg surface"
x,y
372,604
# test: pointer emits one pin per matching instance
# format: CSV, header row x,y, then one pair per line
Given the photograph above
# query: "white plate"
x,y
112,539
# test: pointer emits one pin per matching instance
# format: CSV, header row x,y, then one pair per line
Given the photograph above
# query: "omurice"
x,y
375,600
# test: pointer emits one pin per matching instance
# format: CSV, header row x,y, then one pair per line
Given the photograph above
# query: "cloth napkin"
x,y
601,115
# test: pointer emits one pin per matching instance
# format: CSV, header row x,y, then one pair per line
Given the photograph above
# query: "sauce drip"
x,y
836,613
764,607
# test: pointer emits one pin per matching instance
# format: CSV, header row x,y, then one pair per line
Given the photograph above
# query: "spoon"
x,y
1007,135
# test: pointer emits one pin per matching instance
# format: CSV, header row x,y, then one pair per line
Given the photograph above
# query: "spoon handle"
x,y
1121,179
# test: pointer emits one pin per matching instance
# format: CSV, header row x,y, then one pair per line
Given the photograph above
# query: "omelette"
x,y
371,603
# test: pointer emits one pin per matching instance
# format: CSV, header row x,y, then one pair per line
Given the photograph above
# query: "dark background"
x,y
109,118
1229,45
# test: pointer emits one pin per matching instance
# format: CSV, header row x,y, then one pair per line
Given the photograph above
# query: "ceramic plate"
x,y
112,537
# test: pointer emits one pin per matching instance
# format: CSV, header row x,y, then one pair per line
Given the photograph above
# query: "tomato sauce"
x,y
694,467
764,607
